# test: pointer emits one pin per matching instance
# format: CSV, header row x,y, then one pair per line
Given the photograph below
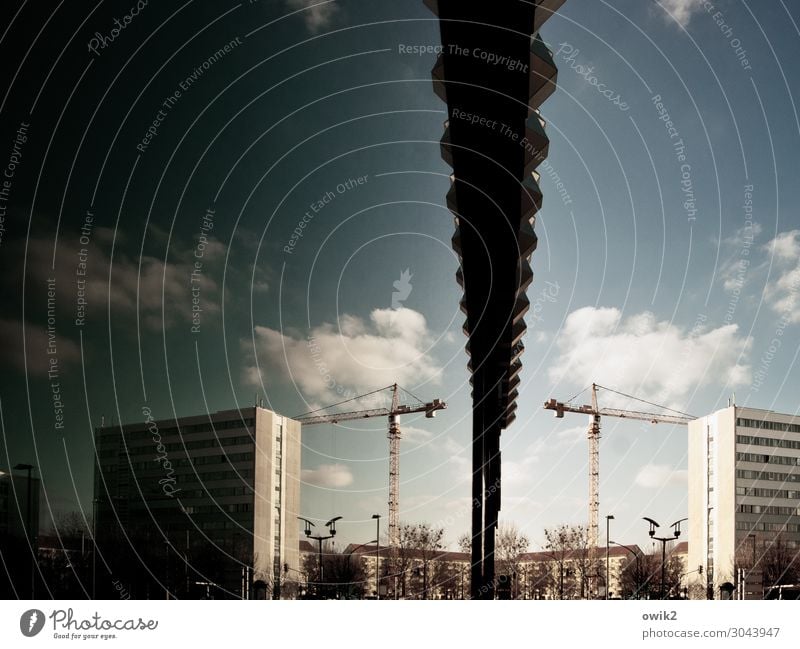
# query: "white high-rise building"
x,y
744,491
205,504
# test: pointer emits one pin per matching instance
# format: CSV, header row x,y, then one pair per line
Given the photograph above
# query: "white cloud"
x,y
654,476
572,435
332,364
318,15
415,436
12,350
160,292
736,267
654,360
782,293
734,274
682,10
459,458
519,471
541,337
331,476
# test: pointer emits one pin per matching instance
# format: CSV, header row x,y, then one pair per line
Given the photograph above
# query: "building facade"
x,y
744,499
200,506
446,575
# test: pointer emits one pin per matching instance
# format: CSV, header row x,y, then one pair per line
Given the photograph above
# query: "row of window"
x,y
768,459
767,527
220,525
207,476
768,441
760,492
768,425
218,492
192,461
212,476
768,475
236,457
212,442
206,427
213,509
769,509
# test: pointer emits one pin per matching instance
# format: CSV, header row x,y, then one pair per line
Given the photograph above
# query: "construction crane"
x,y
393,413
595,412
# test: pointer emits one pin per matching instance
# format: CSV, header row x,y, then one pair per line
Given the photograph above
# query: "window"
x,y
768,441
768,459
768,475
768,425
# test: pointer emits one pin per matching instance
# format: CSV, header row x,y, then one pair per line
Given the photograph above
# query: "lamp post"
x,y
28,523
377,518
638,566
331,525
652,532
609,518
350,556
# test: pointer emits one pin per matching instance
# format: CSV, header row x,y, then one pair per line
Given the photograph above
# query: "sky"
x,y
275,166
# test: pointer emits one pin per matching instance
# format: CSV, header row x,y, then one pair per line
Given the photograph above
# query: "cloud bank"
x,y
655,360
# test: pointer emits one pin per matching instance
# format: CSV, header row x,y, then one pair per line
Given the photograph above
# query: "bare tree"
x,y
419,547
539,580
642,579
779,563
401,558
560,545
448,578
509,549
343,574
427,541
72,529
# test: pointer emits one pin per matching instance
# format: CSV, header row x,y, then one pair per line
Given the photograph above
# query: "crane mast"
x,y
594,478
593,435
393,413
394,470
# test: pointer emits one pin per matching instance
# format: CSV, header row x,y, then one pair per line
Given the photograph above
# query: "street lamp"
x,y
331,525
609,518
349,555
377,519
29,523
652,532
638,567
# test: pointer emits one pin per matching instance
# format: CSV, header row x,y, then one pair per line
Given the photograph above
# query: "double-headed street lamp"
x,y
377,519
331,525
652,532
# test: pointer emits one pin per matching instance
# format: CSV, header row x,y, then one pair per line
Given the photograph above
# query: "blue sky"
x,y
667,260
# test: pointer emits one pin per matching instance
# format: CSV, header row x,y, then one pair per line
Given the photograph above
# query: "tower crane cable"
x,y
649,403
571,399
341,403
